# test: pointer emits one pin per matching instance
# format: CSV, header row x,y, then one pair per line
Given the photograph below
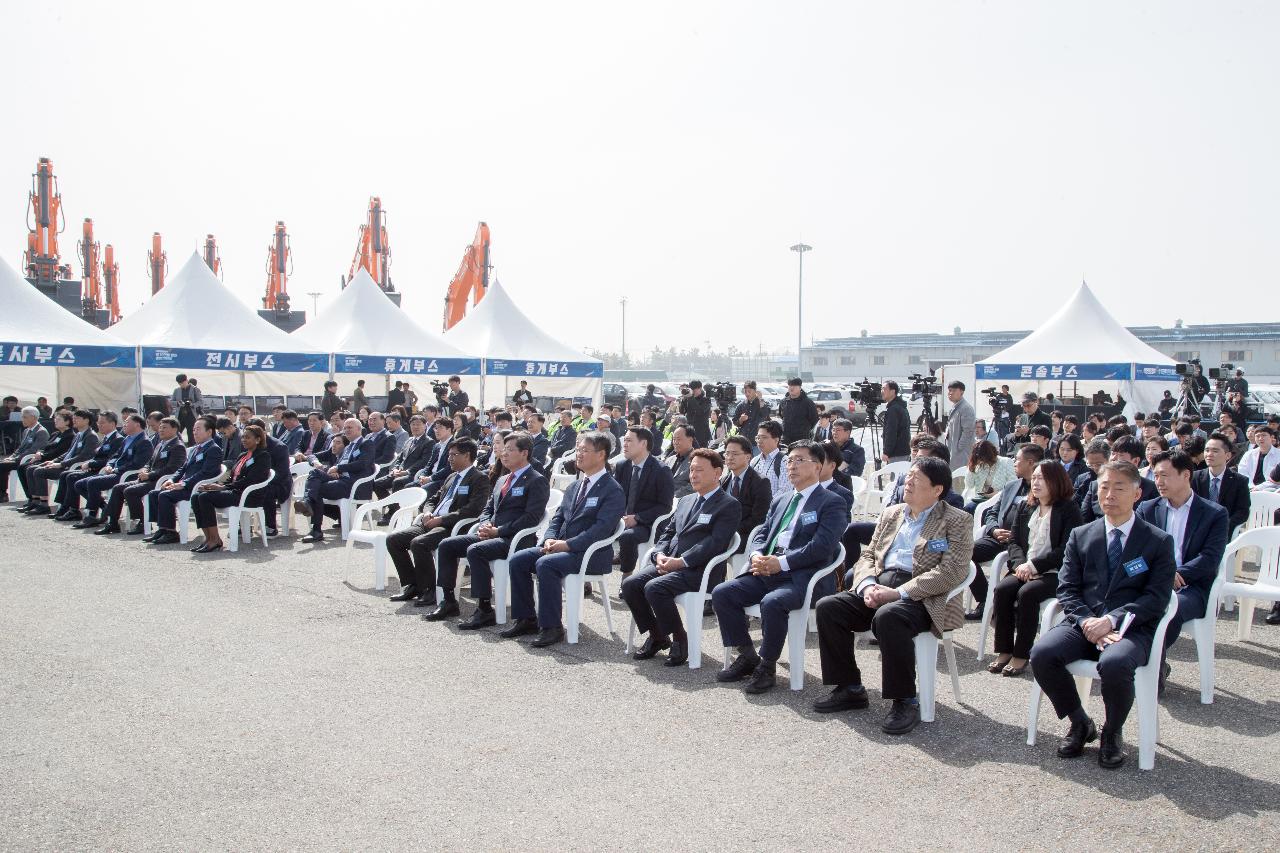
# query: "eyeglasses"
x,y
796,460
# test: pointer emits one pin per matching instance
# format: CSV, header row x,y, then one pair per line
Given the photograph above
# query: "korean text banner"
x,y
1063,372
418,365
1156,372
575,369
56,355
206,359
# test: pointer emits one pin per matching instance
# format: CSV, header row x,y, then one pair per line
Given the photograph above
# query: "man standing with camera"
x,y
799,413
748,414
895,424
696,409
186,403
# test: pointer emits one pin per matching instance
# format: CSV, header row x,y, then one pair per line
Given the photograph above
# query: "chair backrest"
x,y
885,477
857,485
1267,541
271,475
958,478
554,499
1053,615
979,510
408,496
1262,509
973,573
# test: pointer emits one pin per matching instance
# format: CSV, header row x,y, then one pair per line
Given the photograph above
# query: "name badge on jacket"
x,y
249,463
591,503
703,518
1133,568
937,546
517,491
199,457
164,454
810,517
464,490
355,453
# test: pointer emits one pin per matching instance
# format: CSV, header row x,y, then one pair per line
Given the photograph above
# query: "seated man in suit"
x,y
1113,587
131,456
335,483
1096,454
801,534
919,553
649,488
701,529
405,465
830,465
380,440
518,502
464,495
229,438
592,507
541,444
564,440
1123,449
203,462
682,444
290,431
314,440
166,457
1218,483
32,440
999,522
109,444
1262,458
853,459
1199,530
743,484
433,474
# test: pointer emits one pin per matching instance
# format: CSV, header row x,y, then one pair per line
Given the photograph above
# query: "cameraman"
x,y
799,413
1001,412
895,424
1239,384
750,412
696,409
186,403
458,399
961,429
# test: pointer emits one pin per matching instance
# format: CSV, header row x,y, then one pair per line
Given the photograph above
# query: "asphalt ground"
x,y
151,699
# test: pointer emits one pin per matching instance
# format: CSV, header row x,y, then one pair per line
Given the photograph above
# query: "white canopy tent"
x,y
45,351
1082,349
375,341
195,325
515,348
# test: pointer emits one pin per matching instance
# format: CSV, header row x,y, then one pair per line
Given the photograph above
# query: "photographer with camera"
x,y
750,412
1238,383
895,424
187,403
799,413
696,408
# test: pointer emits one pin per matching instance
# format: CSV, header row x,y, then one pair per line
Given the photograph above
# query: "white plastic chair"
x,y
298,473
993,574
1203,629
958,478
183,511
1262,510
990,502
15,486
799,621
1266,587
692,604
738,562
653,533
858,486
240,517
348,505
501,569
927,658
408,500
881,484
573,587
559,479
1146,679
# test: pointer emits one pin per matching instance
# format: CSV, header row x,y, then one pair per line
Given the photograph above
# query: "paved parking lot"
x,y
272,699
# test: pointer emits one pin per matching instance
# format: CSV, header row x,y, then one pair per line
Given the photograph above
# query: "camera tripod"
x,y
927,420
875,437
1186,402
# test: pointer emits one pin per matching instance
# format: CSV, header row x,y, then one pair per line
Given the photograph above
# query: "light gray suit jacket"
x,y
961,433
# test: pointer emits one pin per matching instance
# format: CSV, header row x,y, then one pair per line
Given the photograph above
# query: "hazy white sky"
x,y
945,160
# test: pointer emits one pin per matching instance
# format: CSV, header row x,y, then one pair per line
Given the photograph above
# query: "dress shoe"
x,y
850,698
151,537
650,648
679,654
384,521
1165,669
87,522
165,537
425,598
519,628
763,678
742,666
443,611
107,529
67,515
548,637
39,509
1110,754
313,536
406,593
26,507
272,533
135,529
302,508
206,548
1273,618
1078,735
480,618
708,609
974,615
586,590
902,718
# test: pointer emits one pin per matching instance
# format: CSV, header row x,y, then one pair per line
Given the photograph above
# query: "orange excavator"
x,y
373,251
45,222
157,264
211,257
279,268
111,284
470,281
91,284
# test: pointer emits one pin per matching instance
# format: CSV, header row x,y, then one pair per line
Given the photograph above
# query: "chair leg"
x,y
1033,713
184,520
927,674
631,638
573,606
692,603
986,619
263,526
344,517
1148,720
1083,686
233,529
1244,628
608,605
501,586
1203,631
797,623
949,650
380,566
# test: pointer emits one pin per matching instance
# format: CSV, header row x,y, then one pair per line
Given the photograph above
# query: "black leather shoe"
x,y
206,548
1078,735
852,698
974,615
1110,754
135,529
406,593
1273,618
443,611
548,637
519,628
39,509
426,598
67,515
26,507
107,529
480,618
165,537
1165,669
151,537
763,678
707,608
650,648
313,536
87,522
679,654
742,666
902,718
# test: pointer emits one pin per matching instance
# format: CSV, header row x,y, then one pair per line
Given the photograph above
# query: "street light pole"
x,y
623,302
800,249
315,297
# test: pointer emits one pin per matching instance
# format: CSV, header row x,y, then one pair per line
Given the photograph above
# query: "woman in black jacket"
x,y
1039,540
253,467
1071,456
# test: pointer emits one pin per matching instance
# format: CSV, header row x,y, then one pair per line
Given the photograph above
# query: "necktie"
x,y
448,498
1114,548
581,497
1215,486
506,487
737,486
633,488
1258,473
786,519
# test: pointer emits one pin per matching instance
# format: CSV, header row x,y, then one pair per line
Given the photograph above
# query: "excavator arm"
x,y
470,281
157,264
279,268
373,249
212,258
44,224
111,284
91,286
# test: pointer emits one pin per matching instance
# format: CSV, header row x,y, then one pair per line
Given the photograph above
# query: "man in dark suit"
x,y
999,521
830,464
702,528
1199,530
132,455
314,440
229,440
590,512
380,439
682,444
801,534
541,444
1220,484
291,431
852,456
109,445
649,489
743,484
204,462
518,502
1114,587
355,463
433,474
406,464
166,457
564,439
1123,449
464,495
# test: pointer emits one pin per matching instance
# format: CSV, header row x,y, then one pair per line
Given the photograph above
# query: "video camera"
x,y
724,393
993,397
440,389
867,393
925,386
1222,374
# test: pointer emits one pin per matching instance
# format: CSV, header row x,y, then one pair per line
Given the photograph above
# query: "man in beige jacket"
x,y
920,551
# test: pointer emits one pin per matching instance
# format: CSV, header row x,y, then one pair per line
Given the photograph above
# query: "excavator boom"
x,y
111,284
157,264
91,285
279,268
212,258
44,224
373,249
470,281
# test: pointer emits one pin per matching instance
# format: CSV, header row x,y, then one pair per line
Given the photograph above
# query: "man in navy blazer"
x,y
379,440
355,463
112,440
518,502
745,485
702,528
801,534
648,487
434,473
132,455
830,465
290,431
1125,449
1114,587
1199,530
204,462
1220,484
166,457
591,510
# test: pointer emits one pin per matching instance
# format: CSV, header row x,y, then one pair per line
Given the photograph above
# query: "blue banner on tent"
x,y
1062,372
60,355
417,365
207,359
1157,373
567,369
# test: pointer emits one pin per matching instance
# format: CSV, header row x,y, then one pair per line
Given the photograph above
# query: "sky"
x,y
952,164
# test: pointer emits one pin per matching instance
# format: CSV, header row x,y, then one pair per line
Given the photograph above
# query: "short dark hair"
x,y
750,383
1155,439
1180,460
893,385
814,448
1042,431
139,420
1073,441
1128,445
170,421
716,460
1192,446
643,434
390,416
109,415
844,424
504,416
938,472
1151,422
523,440
598,440
795,380
1098,445
957,385
697,383
1118,432
832,451
455,378
467,446
930,445
288,414
685,428
444,422
1126,469
740,441
1259,428
180,378
772,427
222,423
1226,442
209,421
1034,452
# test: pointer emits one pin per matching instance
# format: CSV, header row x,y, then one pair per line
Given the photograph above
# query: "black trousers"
x,y
1065,643
163,506
652,598
480,554
413,550
24,479
186,421
205,505
629,546
894,625
7,468
985,549
276,496
129,494
1017,612
67,496
37,481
